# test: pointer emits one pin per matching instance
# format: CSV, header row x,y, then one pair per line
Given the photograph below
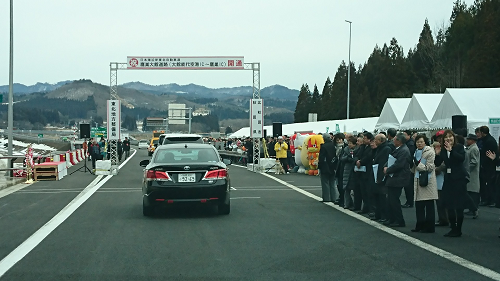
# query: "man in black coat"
x,y
327,165
270,148
126,147
391,134
410,143
358,183
119,149
249,147
397,176
488,168
380,191
366,178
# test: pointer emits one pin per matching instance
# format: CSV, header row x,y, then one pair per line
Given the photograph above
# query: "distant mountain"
x,y
84,100
190,90
276,91
20,89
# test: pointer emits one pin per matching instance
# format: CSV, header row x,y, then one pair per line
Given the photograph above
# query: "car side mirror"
x,y
227,161
144,163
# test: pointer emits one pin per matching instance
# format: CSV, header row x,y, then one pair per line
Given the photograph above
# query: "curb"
x,y
11,181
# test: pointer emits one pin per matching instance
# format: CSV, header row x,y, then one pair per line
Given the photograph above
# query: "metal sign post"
x,y
188,63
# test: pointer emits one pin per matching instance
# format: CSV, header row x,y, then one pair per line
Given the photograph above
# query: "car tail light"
x,y
216,174
152,175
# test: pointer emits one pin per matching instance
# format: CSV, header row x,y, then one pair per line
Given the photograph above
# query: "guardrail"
x,y
12,159
234,156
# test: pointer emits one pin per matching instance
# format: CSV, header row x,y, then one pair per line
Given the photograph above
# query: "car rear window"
x,y
155,141
186,155
182,139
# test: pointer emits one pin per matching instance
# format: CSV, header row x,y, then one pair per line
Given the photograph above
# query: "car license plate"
x,y
186,178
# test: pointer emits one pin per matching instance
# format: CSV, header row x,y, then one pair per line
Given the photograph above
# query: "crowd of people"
x,y
100,150
449,175
367,174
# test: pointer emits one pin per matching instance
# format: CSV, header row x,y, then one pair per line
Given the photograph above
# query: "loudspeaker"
x,y
459,124
84,131
277,129
458,121
265,133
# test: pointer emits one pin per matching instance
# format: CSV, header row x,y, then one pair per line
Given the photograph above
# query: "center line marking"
x,y
427,247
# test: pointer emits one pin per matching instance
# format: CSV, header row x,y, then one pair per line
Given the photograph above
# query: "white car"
x,y
143,144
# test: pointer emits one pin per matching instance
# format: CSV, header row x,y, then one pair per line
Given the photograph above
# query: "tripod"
x,y
84,167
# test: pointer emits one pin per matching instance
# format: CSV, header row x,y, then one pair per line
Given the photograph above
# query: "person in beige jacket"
x,y
425,196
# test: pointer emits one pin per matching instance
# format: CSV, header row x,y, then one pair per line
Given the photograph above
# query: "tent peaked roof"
x,y
392,113
477,104
420,111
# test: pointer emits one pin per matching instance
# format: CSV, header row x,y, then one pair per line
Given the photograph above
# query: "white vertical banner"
x,y
114,118
256,118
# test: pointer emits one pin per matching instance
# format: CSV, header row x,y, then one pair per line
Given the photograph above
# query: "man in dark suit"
x,y
397,176
487,169
380,190
327,165
366,160
391,134
410,143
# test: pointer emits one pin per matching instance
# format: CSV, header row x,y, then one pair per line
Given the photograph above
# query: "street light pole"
x,y
349,71
10,115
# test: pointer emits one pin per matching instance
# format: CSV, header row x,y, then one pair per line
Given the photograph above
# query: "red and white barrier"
x,y
79,155
72,158
67,157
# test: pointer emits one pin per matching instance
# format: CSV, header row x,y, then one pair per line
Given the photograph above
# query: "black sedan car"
x,y
187,173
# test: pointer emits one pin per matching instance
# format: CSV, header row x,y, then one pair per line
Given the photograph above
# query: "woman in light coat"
x,y
424,195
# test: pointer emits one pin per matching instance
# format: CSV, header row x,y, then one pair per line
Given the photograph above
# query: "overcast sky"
x,y
295,41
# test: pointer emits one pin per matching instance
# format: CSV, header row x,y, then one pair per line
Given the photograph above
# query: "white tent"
x,y
420,111
392,113
477,104
351,125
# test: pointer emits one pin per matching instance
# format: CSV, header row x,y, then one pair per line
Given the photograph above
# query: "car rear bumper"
x,y
199,195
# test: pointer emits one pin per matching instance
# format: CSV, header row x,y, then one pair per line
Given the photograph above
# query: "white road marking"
x,y
427,247
36,238
232,188
22,250
232,198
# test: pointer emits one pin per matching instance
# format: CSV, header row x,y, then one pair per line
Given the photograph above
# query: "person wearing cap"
x,y
472,151
281,147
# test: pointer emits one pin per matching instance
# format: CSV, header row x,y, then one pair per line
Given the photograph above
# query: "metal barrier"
x,y
235,157
11,159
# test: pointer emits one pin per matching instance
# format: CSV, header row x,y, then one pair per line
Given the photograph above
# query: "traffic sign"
x,y
40,136
98,132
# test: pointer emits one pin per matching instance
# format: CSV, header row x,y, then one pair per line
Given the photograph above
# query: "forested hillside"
x,y
462,54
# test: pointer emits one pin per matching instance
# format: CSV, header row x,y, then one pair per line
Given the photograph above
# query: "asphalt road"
x,y
273,232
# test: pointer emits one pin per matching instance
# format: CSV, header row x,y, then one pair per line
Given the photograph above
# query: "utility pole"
x,y
349,71
10,121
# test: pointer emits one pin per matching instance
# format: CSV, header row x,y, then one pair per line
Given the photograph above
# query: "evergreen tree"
x,y
315,100
303,104
325,100
228,131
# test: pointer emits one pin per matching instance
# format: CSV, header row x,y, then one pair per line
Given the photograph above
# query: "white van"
x,y
180,138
